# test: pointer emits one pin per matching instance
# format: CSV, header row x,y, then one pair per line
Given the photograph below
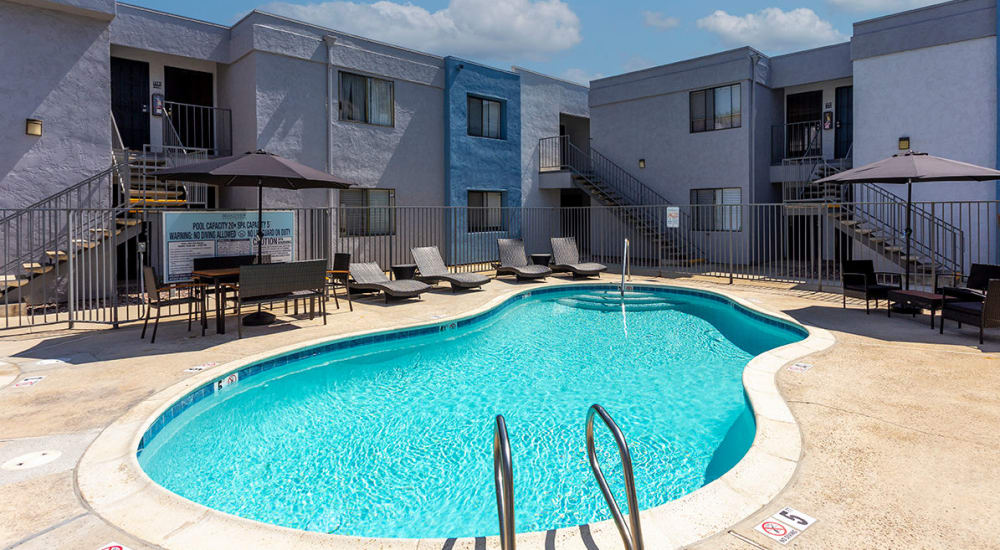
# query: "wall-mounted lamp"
x,y
904,143
642,163
33,127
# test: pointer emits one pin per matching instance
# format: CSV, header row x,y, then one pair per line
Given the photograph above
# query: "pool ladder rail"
x,y
504,481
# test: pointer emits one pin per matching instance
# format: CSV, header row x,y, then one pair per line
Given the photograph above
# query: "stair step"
x,y
155,193
893,249
849,222
145,202
128,222
85,243
57,255
36,268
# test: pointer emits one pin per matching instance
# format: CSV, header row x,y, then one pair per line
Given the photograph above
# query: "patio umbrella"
x,y
909,168
257,169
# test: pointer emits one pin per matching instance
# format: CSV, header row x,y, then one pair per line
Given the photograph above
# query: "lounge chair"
x,y
513,261
433,270
860,280
984,313
566,259
369,276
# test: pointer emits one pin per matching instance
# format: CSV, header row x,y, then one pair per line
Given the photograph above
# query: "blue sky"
x,y
574,39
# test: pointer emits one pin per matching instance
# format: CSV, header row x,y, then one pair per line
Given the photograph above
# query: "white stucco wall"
x,y
543,99
944,98
55,67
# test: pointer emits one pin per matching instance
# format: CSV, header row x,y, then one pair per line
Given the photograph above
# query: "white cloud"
x,y
495,29
772,29
581,76
881,5
659,21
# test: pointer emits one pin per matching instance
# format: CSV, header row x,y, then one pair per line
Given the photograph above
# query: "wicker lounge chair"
x,y
433,270
860,280
369,276
513,261
566,259
983,314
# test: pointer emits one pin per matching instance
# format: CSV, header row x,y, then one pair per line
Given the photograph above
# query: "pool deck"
x,y
900,425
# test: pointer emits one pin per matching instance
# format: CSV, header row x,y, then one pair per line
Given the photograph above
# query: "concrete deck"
x,y
900,426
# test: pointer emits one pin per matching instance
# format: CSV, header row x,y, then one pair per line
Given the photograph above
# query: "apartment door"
x,y
843,135
130,100
190,97
574,217
803,130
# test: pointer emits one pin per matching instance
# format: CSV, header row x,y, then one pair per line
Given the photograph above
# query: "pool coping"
x,y
113,484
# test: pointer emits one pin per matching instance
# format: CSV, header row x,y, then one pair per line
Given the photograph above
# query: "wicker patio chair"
x,y
983,314
860,280
194,298
433,270
339,276
369,276
266,283
974,289
513,261
566,259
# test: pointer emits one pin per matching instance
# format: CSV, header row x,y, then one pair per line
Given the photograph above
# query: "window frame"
x,y
365,210
365,102
706,216
708,96
476,213
501,105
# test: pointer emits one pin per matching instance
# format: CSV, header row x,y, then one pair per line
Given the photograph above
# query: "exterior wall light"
x,y
642,163
904,143
33,127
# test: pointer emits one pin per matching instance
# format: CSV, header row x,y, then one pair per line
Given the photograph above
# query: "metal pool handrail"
x,y
632,537
503,477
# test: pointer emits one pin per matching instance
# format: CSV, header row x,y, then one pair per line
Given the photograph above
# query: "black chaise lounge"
x,y
369,276
984,313
433,270
566,259
860,280
513,261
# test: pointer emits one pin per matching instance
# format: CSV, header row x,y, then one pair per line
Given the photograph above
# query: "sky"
x,y
578,40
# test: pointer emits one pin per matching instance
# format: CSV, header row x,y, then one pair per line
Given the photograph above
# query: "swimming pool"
x,y
390,435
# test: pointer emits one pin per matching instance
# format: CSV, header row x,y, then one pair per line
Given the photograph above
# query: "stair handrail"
x,y
503,479
51,202
600,171
632,533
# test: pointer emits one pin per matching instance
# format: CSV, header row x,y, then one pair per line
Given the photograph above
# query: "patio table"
x,y
916,298
218,276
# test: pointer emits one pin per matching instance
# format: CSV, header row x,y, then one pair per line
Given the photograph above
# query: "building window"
x,y
716,108
367,212
485,211
717,209
485,118
366,99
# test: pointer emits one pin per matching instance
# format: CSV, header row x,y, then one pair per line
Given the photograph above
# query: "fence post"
x,y
71,282
933,246
730,249
822,243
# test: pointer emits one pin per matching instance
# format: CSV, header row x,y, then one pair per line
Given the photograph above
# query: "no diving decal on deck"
x,y
785,525
114,546
227,381
29,381
800,367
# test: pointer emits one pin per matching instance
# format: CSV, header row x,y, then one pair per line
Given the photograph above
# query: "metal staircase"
x,y
630,199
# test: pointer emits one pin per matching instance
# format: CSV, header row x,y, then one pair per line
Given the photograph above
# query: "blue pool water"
x,y
394,438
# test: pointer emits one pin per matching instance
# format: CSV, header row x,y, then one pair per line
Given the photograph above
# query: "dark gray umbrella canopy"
x,y
253,170
913,167
909,168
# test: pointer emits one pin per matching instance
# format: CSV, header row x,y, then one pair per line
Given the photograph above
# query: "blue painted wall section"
x,y
474,163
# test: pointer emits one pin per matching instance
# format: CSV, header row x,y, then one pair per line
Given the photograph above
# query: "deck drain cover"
x,y
31,460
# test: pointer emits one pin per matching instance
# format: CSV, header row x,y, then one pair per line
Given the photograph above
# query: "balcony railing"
x,y
198,127
797,140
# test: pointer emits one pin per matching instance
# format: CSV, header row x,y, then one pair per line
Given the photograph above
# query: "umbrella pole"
x,y
909,228
259,317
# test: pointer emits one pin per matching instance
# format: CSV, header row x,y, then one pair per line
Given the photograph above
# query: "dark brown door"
x,y
189,101
130,100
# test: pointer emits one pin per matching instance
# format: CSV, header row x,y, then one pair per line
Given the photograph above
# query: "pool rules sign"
x,y
785,525
190,235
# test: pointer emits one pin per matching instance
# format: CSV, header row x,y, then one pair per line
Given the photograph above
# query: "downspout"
x,y
329,40
754,59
